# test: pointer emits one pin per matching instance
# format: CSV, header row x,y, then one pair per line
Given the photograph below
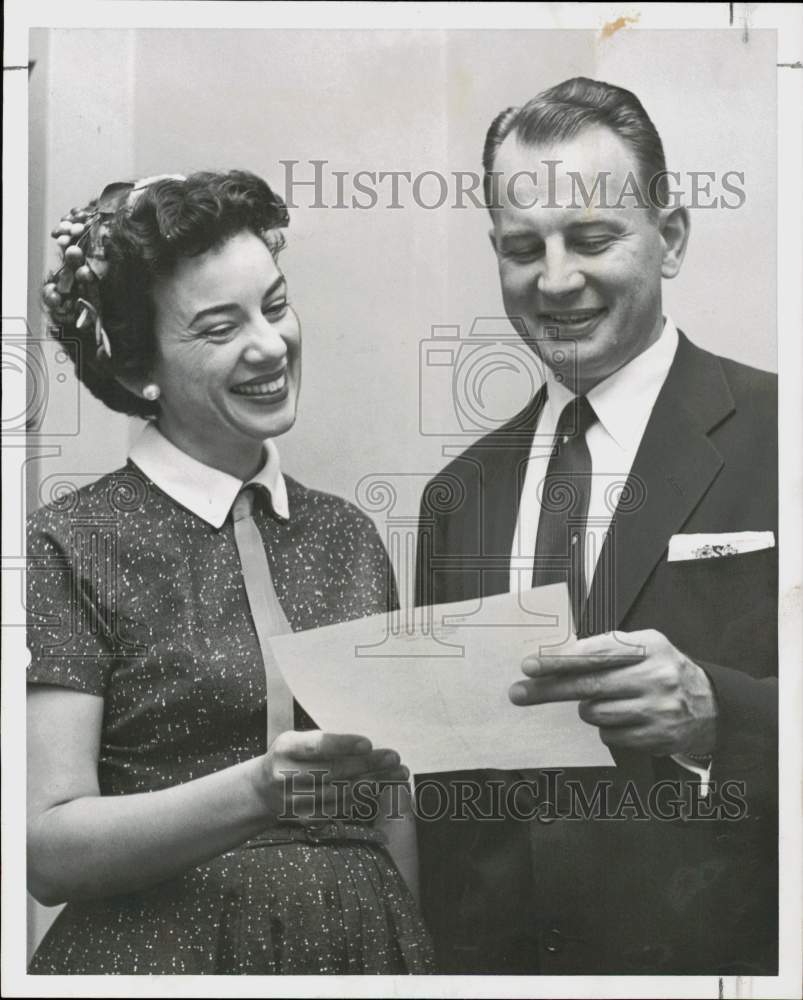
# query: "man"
x,y
683,693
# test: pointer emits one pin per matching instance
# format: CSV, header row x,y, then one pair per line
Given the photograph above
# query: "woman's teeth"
x,y
262,388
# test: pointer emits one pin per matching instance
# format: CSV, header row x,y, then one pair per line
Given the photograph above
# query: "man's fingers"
x,y
623,712
624,682
633,737
597,652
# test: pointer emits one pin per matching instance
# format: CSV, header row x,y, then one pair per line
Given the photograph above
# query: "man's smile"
x,y
575,320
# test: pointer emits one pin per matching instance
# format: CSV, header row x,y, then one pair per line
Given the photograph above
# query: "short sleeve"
x,y
70,600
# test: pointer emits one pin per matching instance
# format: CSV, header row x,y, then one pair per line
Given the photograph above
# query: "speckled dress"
x,y
135,598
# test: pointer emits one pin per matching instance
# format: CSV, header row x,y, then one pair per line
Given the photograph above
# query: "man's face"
x,y
587,275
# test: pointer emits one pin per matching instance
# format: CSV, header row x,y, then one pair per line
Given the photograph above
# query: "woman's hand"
x,y
83,845
312,774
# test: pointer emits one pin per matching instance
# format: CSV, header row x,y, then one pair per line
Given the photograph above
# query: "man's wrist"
x,y
705,741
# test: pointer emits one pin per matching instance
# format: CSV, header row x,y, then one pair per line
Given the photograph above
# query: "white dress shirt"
x,y
204,490
623,403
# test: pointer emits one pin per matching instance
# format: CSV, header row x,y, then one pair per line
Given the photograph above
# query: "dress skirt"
x,y
270,907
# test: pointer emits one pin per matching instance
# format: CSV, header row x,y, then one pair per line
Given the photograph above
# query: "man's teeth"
x,y
262,388
571,317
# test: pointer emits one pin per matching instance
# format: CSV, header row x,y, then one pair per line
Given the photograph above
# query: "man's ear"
x,y
674,225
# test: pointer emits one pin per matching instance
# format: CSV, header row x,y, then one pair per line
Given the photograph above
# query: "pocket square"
x,y
715,545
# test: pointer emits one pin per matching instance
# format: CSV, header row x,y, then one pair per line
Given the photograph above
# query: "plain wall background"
x,y
369,285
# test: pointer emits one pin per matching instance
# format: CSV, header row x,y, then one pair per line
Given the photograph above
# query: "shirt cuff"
x,y
702,772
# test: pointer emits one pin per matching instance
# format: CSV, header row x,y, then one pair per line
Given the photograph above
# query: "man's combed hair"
x,y
170,219
567,109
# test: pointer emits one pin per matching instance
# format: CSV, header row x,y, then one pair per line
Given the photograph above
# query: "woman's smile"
x,y
272,387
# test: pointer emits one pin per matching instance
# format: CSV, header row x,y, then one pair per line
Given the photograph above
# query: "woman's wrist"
x,y
259,793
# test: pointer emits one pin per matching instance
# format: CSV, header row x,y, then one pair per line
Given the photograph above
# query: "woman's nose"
x,y
560,275
265,343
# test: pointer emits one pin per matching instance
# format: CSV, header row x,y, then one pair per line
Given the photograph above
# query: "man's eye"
x,y
524,253
593,246
275,310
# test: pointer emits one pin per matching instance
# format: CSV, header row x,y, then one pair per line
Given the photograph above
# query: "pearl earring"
x,y
151,392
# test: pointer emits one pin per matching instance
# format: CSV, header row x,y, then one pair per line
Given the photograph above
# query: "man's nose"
x,y
560,275
264,343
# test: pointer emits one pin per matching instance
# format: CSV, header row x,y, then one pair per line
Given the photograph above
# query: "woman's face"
x,y
228,354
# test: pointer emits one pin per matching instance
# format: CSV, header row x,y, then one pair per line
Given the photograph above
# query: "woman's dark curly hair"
x,y
141,241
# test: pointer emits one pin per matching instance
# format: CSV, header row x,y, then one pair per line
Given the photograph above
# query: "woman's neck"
x,y
242,461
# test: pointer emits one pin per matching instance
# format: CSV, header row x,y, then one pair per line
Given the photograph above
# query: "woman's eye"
x,y
219,333
275,310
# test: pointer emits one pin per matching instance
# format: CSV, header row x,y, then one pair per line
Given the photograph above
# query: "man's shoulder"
x,y
734,405
515,434
747,397
744,381
755,386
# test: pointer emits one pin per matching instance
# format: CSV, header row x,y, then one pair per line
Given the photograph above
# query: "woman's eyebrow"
x,y
229,306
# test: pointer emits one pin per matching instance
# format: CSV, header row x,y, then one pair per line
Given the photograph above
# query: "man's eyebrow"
x,y
606,221
230,306
512,235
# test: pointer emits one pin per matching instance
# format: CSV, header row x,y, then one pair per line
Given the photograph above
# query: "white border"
x,y
788,20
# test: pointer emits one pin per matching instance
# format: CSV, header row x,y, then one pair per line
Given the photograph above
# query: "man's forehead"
x,y
589,153
578,179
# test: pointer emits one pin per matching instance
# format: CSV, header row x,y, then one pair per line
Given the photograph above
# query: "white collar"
x,y
205,491
624,400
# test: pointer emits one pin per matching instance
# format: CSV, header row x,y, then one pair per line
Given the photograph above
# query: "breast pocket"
x,y
723,609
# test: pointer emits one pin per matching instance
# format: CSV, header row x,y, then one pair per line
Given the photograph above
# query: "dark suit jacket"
x,y
630,894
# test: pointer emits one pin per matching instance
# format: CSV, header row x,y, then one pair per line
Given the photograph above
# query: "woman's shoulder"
x,y
340,554
321,509
65,502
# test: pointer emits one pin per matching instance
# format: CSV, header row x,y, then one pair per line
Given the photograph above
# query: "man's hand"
x,y
635,686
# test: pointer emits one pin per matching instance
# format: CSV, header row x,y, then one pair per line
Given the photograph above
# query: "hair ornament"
x,y
89,314
81,237
139,186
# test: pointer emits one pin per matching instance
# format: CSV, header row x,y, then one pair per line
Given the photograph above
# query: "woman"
x,y
159,808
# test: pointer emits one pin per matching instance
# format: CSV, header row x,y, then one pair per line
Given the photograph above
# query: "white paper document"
x,y
433,684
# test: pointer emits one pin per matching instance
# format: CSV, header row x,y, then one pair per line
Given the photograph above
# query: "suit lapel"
x,y
503,457
674,467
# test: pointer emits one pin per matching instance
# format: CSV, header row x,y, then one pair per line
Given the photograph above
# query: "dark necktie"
x,y
269,618
565,493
